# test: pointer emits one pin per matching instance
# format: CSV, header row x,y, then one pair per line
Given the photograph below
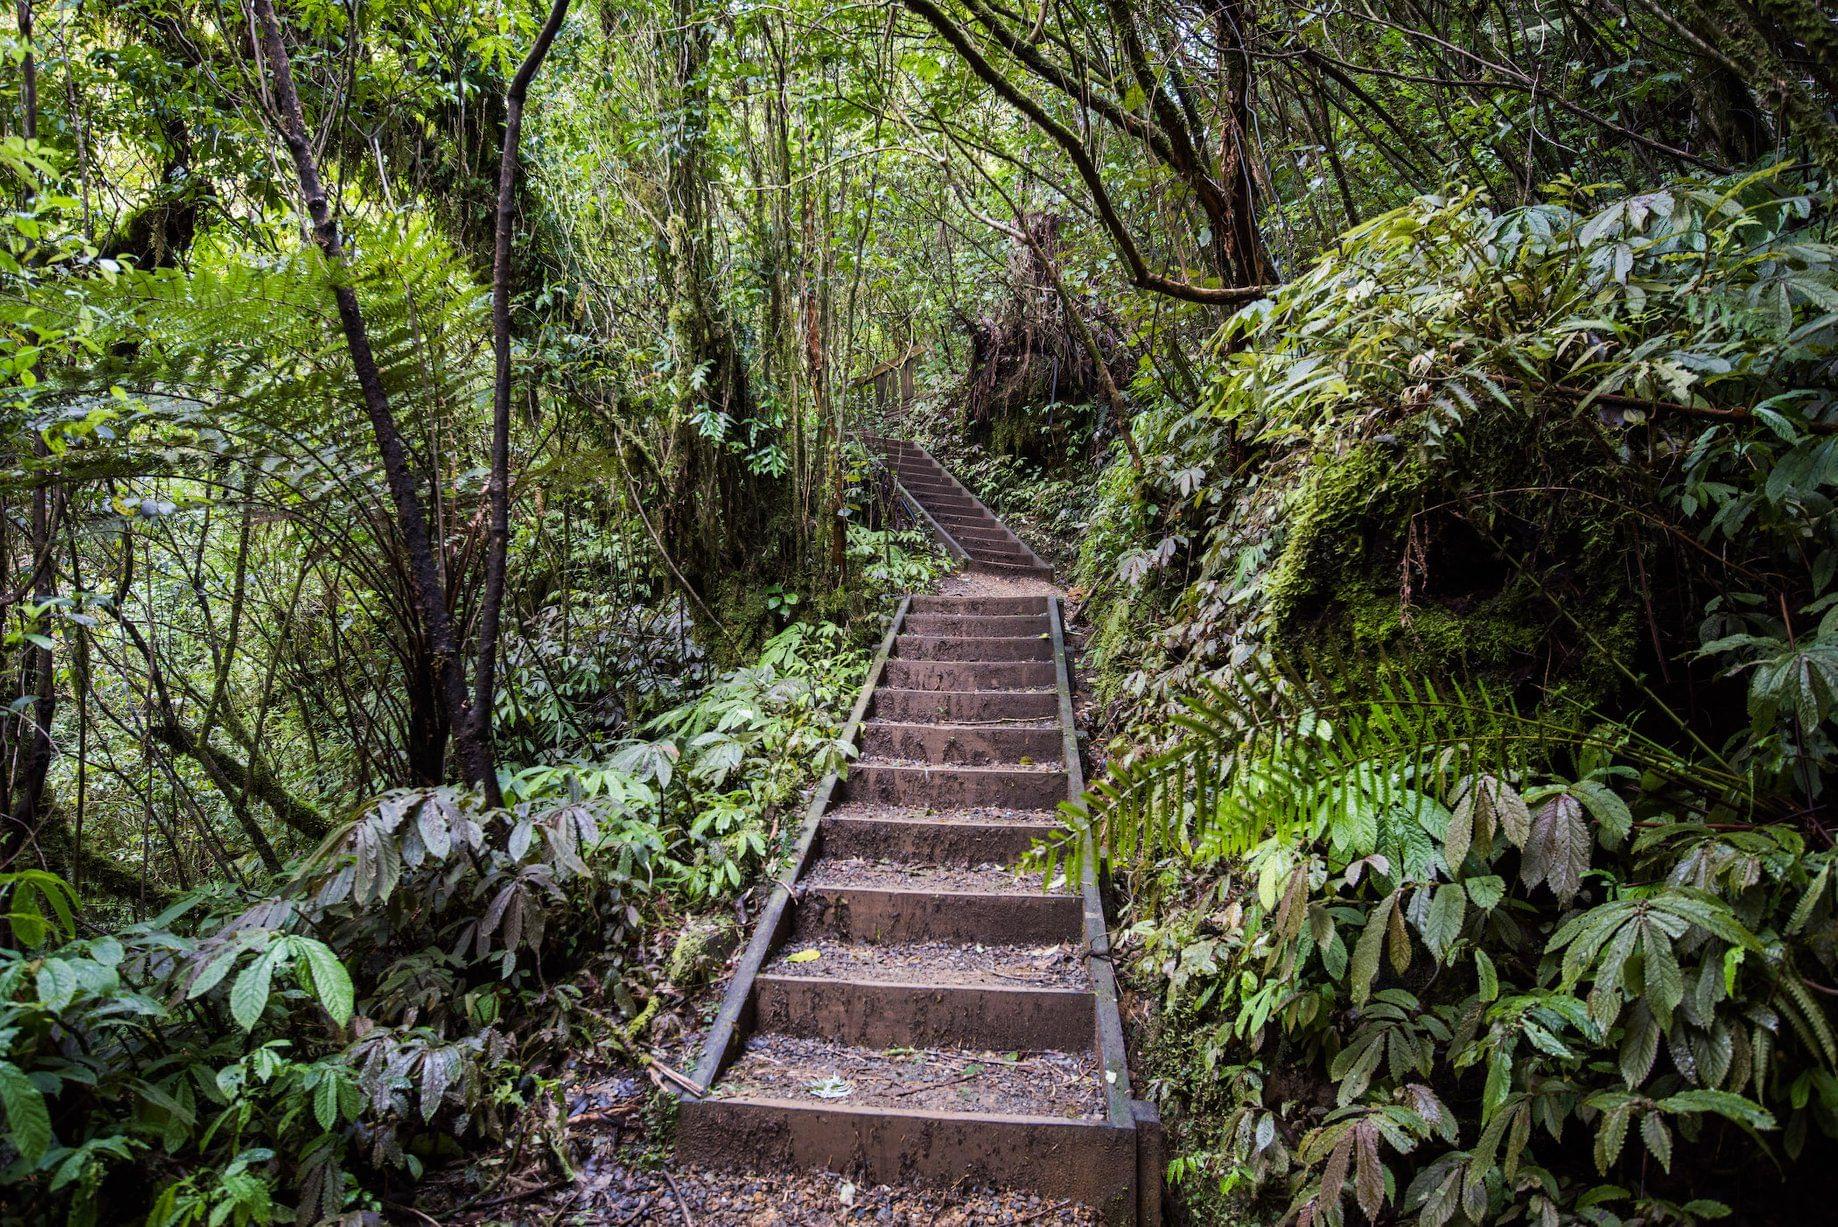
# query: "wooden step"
x,y
968,648
961,744
1029,788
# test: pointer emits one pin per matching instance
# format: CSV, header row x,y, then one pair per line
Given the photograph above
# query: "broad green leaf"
x,y
28,1120
249,992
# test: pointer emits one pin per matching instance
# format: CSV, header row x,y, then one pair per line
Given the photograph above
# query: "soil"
x,y
906,875
1056,1084
1060,966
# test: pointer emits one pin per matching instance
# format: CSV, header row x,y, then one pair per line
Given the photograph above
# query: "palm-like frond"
x,y
1272,752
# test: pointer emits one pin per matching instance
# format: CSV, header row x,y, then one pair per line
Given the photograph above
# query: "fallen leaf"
x,y
805,956
832,1088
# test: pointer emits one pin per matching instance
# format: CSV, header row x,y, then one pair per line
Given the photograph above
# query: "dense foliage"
x,y
1468,882
436,544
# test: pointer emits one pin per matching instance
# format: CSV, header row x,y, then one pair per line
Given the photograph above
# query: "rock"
x,y
700,950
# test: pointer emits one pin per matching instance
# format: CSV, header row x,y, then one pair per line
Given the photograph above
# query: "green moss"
x,y
1495,636
700,950
1323,537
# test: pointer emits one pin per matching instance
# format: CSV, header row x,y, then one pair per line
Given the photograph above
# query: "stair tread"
x,y
1059,1085
940,964
977,815
857,874
991,769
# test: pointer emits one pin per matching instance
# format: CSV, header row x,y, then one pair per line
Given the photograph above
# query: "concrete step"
x,y
964,647
962,508
986,536
923,484
961,706
953,838
967,675
1092,1162
986,626
962,744
1031,788
1012,570
1011,555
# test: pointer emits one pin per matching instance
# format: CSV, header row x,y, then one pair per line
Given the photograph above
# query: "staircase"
x,y
910,1009
968,529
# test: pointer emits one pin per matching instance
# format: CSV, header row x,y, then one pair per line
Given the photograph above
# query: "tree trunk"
x,y
498,486
430,593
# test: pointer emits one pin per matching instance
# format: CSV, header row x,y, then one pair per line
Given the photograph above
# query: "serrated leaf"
x,y
325,976
1442,925
28,1120
325,1103
1727,1104
1367,949
1658,1138
1486,891
1489,978
1611,1135
1613,819
1458,836
249,993
1557,852
1368,1172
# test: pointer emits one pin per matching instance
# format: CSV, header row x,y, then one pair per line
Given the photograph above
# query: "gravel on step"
x,y
1055,1084
903,875
884,760
1058,966
963,583
967,813
824,1199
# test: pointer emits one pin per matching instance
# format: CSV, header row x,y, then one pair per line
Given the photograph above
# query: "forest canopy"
x,y
440,541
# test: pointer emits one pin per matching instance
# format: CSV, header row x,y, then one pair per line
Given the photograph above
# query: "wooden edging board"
x,y
727,1031
1139,1115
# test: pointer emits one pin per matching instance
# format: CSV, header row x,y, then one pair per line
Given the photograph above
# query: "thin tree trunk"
x,y
475,756
498,487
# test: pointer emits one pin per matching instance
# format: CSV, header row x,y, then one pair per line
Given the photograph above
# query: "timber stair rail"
x,y
946,1021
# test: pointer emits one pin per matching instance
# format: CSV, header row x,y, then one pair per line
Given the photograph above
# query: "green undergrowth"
x,y
310,1047
1470,654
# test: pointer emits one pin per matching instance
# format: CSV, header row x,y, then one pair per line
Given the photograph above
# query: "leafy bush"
x,y
290,1054
1449,859
1464,954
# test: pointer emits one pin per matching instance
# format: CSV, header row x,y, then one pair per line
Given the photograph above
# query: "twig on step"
x,y
689,1220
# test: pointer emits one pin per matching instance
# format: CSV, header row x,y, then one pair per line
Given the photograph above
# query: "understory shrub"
x,y
1452,854
296,1052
